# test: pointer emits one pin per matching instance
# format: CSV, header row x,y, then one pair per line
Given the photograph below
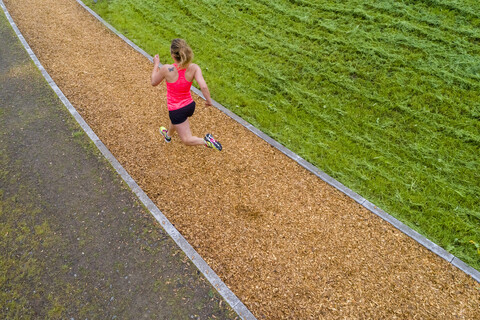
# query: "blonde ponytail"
x,y
182,52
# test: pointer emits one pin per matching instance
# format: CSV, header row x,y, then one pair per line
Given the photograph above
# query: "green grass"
x,y
381,95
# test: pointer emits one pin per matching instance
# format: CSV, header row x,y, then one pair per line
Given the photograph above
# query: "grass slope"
x,y
381,95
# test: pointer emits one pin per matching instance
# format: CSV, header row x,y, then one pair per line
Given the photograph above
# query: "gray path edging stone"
x,y
191,253
475,274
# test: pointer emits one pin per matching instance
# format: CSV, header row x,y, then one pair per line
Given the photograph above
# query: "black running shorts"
x,y
180,115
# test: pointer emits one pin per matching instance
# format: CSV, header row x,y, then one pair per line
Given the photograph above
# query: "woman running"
x,y
179,78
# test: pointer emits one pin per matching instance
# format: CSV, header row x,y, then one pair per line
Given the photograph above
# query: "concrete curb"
x,y
192,254
475,274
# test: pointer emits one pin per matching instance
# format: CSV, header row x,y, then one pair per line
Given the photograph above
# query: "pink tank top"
x,y
178,92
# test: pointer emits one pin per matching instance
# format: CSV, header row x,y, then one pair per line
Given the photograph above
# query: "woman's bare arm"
x,y
158,74
203,85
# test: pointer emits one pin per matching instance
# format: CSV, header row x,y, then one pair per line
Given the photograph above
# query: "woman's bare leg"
x,y
171,129
185,134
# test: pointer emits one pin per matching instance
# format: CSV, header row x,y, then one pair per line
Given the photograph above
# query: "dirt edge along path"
x,y
286,243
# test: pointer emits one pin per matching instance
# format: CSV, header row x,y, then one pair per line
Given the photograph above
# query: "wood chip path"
x,y
285,242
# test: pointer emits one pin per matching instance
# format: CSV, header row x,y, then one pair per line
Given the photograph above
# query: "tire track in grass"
x,y
420,15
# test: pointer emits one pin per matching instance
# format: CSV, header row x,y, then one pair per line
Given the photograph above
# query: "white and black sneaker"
x,y
210,142
163,132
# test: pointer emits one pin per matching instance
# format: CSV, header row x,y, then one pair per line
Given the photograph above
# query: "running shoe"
x,y
210,142
163,132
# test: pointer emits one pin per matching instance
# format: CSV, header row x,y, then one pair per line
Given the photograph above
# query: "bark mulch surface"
x,y
287,244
